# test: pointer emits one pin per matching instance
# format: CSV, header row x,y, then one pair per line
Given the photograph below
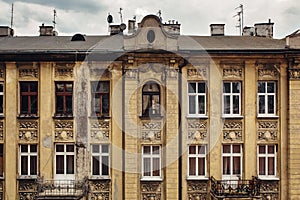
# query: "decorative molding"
x,y
97,73
28,131
63,130
27,189
131,74
197,130
2,71
232,131
197,135
233,72
198,73
1,130
28,73
294,74
100,190
65,70
267,130
151,190
155,67
268,71
196,124
151,131
197,190
100,129
269,190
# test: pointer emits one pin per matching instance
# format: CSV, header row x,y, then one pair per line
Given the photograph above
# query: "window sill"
x,y
99,178
197,117
232,116
99,117
28,116
151,179
268,178
27,177
151,117
198,178
63,116
268,116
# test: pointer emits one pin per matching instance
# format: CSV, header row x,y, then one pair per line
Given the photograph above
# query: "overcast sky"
x,y
89,16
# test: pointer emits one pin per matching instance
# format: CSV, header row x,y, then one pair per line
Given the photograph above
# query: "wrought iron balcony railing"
x,y
235,188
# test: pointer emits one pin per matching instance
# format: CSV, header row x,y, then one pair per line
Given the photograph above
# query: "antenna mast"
x,y
12,16
54,19
240,15
121,16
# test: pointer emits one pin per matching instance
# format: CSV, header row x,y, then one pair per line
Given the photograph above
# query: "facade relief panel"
x,y
64,130
233,131
28,131
99,130
151,131
151,190
232,70
99,189
197,190
197,130
64,70
28,70
267,131
197,73
268,71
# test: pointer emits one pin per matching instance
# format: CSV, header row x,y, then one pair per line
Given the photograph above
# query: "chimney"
x,y
6,31
217,29
117,28
47,31
264,29
131,26
248,31
172,27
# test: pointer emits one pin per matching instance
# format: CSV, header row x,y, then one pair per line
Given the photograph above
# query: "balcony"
x,y
62,189
221,189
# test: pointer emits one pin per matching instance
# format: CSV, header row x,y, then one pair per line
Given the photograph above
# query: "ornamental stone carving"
x,y
28,131
197,190
97,73
232,131
197,73
28,73
64,130
100,130
232,71
197,130
2,71
269,190
64,70
100,190
268,71
171,73
151,190
267,131
131,74
1,130
151,131
27,189
294,74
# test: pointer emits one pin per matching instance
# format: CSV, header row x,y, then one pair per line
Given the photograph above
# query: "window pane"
x,y
271,166
261,104
60,104
33,148
271,88
155,149
226,88
226,148
33,87
262,166
236,87
155,104
236,104
201,166
201,87
96,165
105,149
104,87
201,105
24,87
95,148
192,104
226,165
24,165
34,104
59,87
60,148
24,105
146,104
147,169
192,87
70,164
192,149
192,166
70,148
33,165
59,164
262,149
69,104
146,149
96,103
236,165
236,148
1,87
105,165
271,149
105,104
1,160
226,104
24,148
271,104
1,104
156,166
201,149
69,87
261,87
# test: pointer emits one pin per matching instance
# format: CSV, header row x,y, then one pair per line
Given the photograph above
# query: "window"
x,y
197,161
28,160
100,160
1,161
266,98
64,93
100,98
29,98
197,98
1,98
231,98
232,160
267,160
151,163
64,159
151,99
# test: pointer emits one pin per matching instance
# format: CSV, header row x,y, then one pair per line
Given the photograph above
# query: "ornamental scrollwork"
x,y
28,73
100,129
294,74
100,190
268,71
151,191
151,131
2,72
197,130
28,131
269,190
197,190
63,134
196,124
232,131
151,135
63,130
63,124
100,125
100,73
64,70
232,72
197,135
267,130
131,74
199,73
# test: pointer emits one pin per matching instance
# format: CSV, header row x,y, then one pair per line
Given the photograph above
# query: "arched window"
x,y
151,99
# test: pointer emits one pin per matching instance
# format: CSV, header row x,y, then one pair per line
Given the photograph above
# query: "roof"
x,y
50,44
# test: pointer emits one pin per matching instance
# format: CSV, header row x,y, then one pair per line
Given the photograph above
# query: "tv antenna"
x,y
54,18
159,15
240,15
12,16
121,16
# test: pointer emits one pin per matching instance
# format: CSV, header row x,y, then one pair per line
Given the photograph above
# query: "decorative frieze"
x,y
151,130
232,73
268,71
197,190
27,189
151,190
100,190
28,131
197,130
64,70
100,129
2,71
294,74
269,190
197,73
28,73
131,74
267,130
64,130
99,73
232,131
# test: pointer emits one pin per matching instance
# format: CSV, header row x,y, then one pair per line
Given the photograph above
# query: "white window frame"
x,y
196,156
196,94
151,156
267,155
3,99
266,94
232,176
231,94
65,154
100,155
28,154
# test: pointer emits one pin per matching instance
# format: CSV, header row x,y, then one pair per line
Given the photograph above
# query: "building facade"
x,y
150,115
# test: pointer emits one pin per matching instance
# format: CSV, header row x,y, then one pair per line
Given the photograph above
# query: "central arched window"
x,y
151,99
